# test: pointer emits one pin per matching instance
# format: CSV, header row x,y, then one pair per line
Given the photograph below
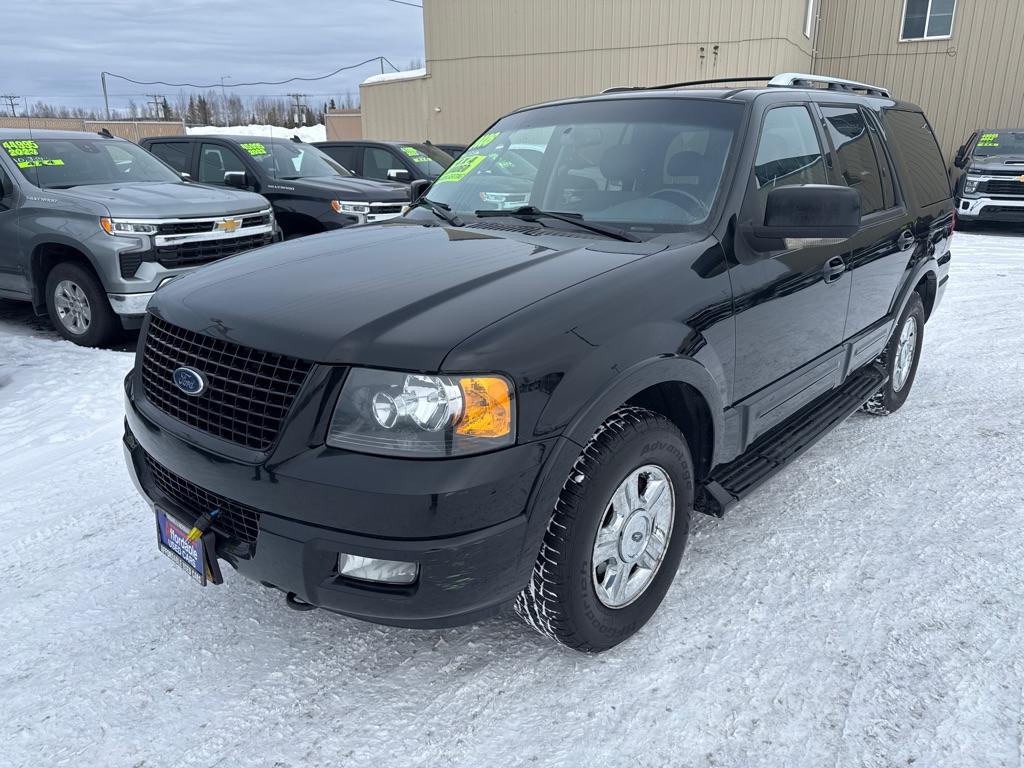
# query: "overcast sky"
x,y
54,50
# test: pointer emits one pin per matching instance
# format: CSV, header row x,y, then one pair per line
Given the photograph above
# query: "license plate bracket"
x,y
197,558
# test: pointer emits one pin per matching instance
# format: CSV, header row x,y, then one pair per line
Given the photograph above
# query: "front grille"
x,y
379,208
200,226
1002,187
248,392
204,251
236,521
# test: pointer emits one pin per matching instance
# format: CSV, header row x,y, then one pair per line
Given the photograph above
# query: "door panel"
x,y
12,271
788,312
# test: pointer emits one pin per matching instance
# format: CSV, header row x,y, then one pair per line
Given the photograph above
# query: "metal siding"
x,y
972,80
487,57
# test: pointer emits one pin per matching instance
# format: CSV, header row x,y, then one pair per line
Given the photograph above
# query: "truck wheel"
x,y
78,306
614,542
900,358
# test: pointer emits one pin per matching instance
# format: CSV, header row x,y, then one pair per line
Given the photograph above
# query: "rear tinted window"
x,y
923,166
345,156
176,154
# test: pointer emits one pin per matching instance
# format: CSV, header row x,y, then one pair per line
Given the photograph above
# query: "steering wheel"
x,y
683,199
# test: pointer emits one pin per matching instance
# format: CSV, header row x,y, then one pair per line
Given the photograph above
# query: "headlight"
x,y
119,227
413,414
971,185
340,206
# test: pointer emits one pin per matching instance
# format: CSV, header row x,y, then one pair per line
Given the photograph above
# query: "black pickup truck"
x,y
310,192
420,422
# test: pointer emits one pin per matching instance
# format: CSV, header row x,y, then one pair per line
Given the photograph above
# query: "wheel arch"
x,y
44,257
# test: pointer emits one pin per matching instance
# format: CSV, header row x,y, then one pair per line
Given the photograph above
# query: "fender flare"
x,y
50,238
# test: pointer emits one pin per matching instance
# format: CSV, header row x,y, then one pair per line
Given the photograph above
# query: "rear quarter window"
x,y
924,170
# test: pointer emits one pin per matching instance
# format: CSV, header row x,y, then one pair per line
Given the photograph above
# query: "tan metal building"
x,y
485,58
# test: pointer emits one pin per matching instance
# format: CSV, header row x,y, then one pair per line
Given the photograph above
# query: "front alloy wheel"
x,y
72,305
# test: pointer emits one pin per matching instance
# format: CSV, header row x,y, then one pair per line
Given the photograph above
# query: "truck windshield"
x,y
994,143
431,160
652,164
65,163
284,159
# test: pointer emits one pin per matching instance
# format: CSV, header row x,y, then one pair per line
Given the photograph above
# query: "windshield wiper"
x,y
441,210
532,213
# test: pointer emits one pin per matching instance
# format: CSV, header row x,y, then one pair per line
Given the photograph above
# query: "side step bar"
x,y
771,452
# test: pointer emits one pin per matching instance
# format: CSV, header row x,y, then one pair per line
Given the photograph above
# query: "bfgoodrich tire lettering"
x,y
561,601
894,394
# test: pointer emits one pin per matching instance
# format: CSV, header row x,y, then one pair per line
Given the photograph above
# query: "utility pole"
x,y
106,101
298,106
157,101
13,102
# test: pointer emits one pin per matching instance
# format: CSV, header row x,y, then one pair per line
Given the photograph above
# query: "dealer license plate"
x,y
193,557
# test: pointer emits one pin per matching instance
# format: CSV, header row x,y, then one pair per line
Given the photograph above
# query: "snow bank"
x,y
410,74
309,133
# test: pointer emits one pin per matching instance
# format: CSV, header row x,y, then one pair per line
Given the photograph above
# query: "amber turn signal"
x,y
487,407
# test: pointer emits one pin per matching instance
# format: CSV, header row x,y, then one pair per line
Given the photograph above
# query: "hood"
x,y
334,187
170,200
1004,164
397,295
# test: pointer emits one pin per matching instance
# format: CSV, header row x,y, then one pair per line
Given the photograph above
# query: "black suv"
x,y
989,180
310,192
402,161
418,422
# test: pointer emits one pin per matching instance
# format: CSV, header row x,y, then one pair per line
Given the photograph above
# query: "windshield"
x,y
64,163
428,158
643,164
992,143
285,159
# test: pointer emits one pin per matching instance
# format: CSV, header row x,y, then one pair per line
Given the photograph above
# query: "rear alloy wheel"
x,y
615,539
78,306
900,358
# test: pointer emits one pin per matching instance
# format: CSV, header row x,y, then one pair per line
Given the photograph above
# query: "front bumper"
x,y
990,209
464,521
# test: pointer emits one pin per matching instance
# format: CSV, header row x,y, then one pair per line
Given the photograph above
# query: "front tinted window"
x,y
645,164
377,162
64,163
857,162
995,143
923,166
788,152
215,161
176,154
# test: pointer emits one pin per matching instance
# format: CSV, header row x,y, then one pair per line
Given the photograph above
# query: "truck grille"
x,y
200,226
1002,187
205,251
236,521
385,208
248,392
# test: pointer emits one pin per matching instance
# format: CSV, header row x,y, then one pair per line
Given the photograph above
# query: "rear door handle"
x,y
833,269
906,240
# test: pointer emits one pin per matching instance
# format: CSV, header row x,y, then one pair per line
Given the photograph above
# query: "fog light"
x,y
372,569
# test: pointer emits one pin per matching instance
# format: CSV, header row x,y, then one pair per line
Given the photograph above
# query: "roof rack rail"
x,y
799,80
751,78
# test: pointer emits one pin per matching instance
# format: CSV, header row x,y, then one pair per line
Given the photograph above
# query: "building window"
x,y
927,19
809,21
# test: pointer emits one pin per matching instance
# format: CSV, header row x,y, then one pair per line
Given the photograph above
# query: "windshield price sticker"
x,y
36,162
457,171
989,140
484,140
415,155
21,148
254,148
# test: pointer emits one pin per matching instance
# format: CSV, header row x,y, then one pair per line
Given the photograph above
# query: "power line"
x,y
255,82
157,100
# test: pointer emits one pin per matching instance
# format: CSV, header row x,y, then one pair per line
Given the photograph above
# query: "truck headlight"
x,y
341,206
971,185
121,227
420,415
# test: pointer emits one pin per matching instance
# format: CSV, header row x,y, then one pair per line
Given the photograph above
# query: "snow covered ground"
x,y
308,133
864,608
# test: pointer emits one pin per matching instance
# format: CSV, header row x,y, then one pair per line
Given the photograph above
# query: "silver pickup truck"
x,y
92,225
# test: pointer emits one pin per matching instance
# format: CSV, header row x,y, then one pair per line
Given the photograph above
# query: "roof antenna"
x,y
105,133
296,139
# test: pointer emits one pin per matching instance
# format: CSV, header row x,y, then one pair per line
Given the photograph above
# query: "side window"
x,y
215,161
924,19
921,160
345,156
858,164
176,154
788,152
377,162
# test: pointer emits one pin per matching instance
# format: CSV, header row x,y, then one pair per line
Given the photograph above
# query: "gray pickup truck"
x,y
92,225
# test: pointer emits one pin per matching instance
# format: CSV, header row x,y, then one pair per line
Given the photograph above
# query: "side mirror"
x,y
417,189
236,179
808,212
398,174
186,176
961,157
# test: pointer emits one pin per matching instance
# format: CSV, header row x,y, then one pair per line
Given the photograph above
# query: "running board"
x,y
771,452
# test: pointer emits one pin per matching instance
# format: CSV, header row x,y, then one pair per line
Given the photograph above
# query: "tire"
x,y
564,599
891,397
78,306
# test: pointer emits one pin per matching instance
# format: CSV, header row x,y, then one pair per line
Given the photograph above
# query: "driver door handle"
x,y
834,269
906,240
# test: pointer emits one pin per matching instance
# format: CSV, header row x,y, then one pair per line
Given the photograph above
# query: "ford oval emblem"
x,y
190,381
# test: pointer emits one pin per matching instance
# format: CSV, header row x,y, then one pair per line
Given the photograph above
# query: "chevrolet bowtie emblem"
x,y
1020,179
228,225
